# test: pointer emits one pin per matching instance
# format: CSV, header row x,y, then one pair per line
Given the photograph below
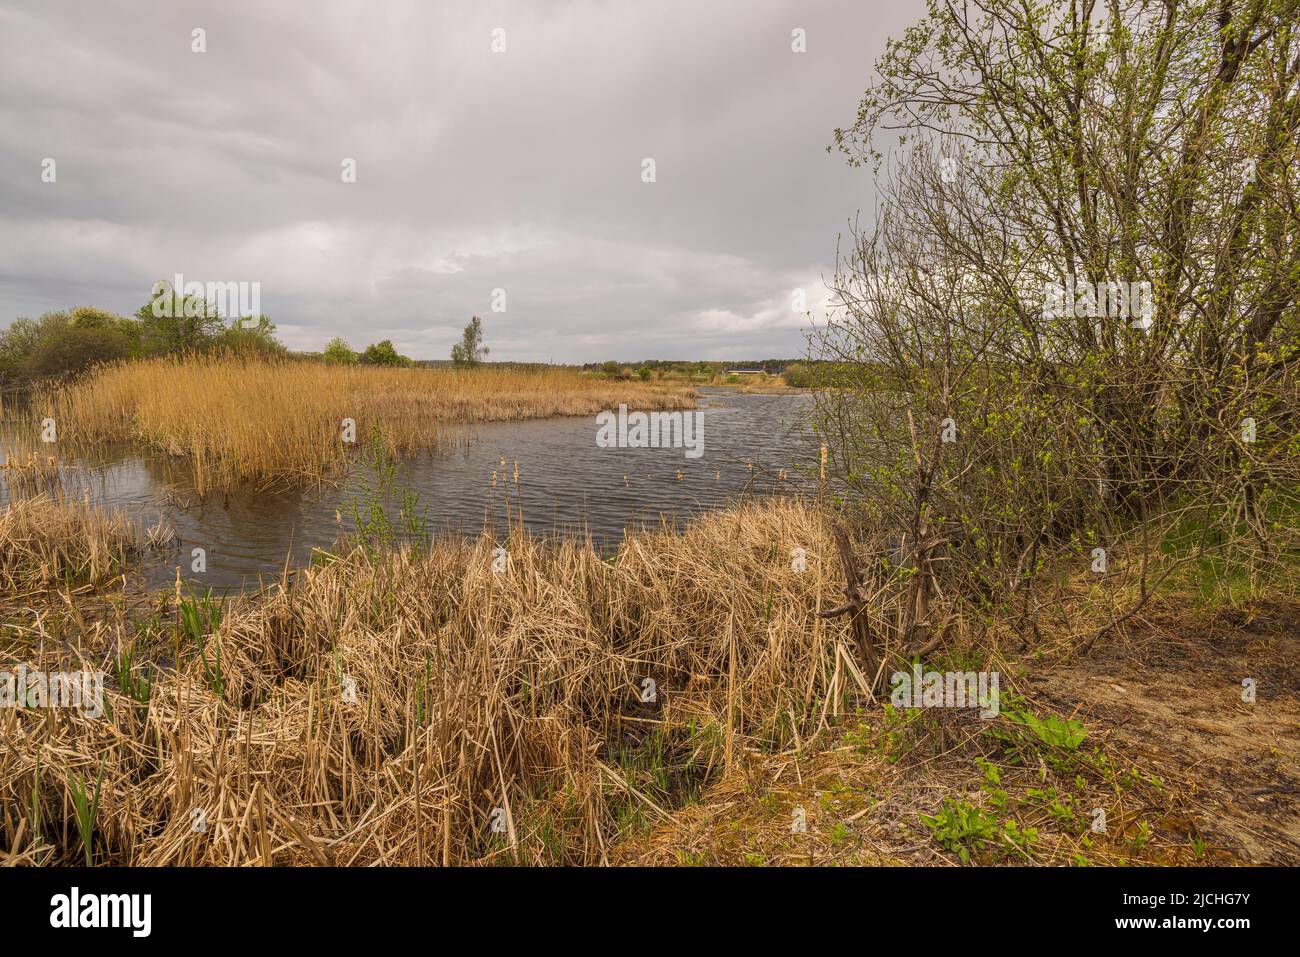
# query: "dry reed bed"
x,y
44,541
278,421
480,695
24,474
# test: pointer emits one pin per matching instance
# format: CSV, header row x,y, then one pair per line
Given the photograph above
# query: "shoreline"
x,y
569,645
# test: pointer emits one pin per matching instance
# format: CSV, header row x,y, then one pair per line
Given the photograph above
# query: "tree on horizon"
x,y
470,351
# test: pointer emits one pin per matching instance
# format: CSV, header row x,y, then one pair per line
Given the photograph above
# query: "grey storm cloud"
x,y
476,170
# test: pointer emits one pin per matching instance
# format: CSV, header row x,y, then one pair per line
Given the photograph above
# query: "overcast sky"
x,y
520,170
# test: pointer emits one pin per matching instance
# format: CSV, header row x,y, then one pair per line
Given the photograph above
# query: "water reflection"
x,y
566,485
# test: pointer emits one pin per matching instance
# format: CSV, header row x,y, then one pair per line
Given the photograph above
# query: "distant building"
x,y
745,372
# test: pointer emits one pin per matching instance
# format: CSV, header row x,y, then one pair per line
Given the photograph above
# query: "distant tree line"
x,y
470,351
687,367
67,343
799,373
382,353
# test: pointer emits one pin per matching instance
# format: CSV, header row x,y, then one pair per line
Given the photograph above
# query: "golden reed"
x,y
281,422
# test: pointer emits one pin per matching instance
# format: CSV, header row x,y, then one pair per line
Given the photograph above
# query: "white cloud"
x,y
474,170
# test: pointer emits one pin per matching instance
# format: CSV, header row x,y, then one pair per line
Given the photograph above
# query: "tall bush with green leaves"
x,y
1039,145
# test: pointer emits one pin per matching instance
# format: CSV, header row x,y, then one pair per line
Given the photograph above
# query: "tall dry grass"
x,y
515,698
272,421
44,540
24,473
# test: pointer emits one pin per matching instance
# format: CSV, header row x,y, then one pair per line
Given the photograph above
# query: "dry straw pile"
x,y
46,541
498,715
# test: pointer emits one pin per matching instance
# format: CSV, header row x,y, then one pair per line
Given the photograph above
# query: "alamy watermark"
x,y
33,688
952,689
133,912
651,430
1118,300
190,300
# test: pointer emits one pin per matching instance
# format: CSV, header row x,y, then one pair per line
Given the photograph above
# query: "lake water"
x,y
567,485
